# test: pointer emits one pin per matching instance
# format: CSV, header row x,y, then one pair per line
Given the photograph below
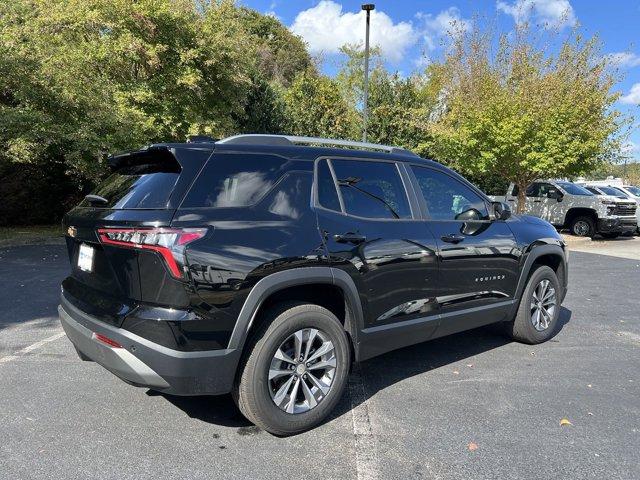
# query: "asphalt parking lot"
x,y
470,406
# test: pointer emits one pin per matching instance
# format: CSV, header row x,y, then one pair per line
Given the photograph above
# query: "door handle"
x,y
537,201
452,238
350,237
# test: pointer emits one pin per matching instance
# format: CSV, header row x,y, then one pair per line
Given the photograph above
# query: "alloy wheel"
x,y
581,228
302,371
543,305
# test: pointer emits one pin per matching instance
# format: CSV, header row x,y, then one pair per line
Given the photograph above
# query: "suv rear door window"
x,y
235,180
446,197
371,189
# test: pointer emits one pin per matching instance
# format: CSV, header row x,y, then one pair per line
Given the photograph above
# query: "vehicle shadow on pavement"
x,y
375,374
219,410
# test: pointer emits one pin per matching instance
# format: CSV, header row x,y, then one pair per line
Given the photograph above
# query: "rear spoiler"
x,y
160,156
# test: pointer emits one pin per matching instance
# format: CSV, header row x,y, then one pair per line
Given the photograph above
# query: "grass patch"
x,y
31,234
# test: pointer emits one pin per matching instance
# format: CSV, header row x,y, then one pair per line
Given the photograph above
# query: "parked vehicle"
x,y
618,195
265,265
567,205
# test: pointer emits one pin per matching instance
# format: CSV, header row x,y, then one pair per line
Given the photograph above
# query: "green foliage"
x,y
525,113
80,79
315,107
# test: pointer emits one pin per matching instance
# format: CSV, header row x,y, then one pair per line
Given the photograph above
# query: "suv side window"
x,y
327,193
371,189
235,180
446,197
546,189
533,190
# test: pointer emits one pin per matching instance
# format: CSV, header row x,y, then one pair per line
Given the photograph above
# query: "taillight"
x,y
168,242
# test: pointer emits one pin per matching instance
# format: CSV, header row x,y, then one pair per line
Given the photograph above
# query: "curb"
x,y
15,242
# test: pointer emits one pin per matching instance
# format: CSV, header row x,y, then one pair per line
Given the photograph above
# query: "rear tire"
x,y
260,398
528,326
582,226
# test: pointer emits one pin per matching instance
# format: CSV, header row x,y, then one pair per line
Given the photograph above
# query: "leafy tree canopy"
x,y
525,112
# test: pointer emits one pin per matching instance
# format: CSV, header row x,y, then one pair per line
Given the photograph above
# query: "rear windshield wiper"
x,y
96,200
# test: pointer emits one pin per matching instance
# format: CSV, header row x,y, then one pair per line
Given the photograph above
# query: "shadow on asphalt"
x,y
377,373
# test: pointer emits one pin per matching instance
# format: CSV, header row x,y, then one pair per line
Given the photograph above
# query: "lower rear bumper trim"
x,y
147,364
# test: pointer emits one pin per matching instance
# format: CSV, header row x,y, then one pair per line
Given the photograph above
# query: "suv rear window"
x,y
235,180
139,186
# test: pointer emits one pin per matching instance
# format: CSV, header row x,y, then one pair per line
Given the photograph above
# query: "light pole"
x,y
367,7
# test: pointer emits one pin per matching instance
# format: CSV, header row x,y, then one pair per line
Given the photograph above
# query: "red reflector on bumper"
x,y
106,340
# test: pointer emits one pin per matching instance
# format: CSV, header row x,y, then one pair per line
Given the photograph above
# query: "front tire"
x,y
295,370
582,227
537,318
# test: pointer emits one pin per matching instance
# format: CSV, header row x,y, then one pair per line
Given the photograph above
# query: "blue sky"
x,y
409,33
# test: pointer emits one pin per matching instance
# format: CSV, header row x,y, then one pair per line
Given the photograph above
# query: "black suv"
x,y
265,265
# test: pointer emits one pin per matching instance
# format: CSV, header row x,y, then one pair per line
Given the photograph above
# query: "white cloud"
x,y
326,28
447,22
555,13
633,97
624,59
630,148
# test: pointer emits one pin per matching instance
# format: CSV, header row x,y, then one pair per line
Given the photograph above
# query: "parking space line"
x,y
366,448
31,348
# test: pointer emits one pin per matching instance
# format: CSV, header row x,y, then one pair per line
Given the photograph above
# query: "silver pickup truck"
x,y
567,205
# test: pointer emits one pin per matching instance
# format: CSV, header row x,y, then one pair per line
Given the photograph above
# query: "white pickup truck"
x,y
567,205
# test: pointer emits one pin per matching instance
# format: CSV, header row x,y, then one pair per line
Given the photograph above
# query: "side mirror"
x,y
469,215
501,210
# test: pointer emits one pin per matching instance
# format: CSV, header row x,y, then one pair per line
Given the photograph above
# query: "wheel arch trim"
x,y
536,252
275,282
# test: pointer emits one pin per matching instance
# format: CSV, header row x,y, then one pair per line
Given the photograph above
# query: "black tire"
x,y
522,328
252,388
610,235
582,226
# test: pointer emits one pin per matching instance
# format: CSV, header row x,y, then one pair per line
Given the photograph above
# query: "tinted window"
x,y
446,197
371,189
573,189
235,180
611,191
621,192
140,186
291,197
533,190
634,190
327,193
593,190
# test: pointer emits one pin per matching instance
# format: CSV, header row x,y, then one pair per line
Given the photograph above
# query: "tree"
x,y
315,107
80,79
525,112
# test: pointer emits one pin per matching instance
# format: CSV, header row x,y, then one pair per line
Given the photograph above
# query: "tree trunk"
x,y
522,198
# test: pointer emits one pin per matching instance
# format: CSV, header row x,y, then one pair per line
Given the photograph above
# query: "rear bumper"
x,y
145,364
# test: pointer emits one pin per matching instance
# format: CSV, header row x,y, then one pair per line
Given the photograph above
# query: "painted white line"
x,y
366,449
31,348
630,336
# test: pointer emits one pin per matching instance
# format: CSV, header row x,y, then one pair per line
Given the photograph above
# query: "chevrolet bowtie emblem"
x,y
72,231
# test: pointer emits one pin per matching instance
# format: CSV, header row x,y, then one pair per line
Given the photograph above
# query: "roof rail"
x,y
290,140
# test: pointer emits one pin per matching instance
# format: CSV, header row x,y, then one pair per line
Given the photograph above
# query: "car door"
x,y
372,231
549,203
478,256
533,205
